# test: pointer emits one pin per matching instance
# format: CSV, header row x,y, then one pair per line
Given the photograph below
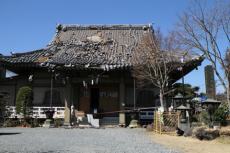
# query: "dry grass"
x,y
225,131
224,139
192,145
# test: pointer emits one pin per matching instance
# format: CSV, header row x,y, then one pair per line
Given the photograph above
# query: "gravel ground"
x,y
59,140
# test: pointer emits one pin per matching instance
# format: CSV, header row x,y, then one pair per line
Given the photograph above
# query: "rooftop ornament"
x,y
59,27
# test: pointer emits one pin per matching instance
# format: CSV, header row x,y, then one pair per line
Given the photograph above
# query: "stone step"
x,y
109,121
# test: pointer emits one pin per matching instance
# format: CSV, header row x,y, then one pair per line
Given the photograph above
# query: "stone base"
x,y
184,126
66,124
84,123
48,123
133,124
122,119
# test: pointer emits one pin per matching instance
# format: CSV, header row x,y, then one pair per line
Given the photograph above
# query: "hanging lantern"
x,y
97,80
84,83
92,82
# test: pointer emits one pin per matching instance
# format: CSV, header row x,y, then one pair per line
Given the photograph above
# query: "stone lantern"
x,y
184,113
184,123
210,105
178,100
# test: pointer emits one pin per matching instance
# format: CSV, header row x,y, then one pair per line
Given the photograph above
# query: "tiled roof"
x,y
93,46
104,45
28,57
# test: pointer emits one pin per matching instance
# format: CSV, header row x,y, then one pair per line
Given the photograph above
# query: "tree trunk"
x,y
227,92
162,99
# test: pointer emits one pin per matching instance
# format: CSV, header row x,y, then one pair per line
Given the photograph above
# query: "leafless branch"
x,y
203,28
156,62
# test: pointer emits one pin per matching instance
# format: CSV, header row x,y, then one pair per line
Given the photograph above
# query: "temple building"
x,y
88,67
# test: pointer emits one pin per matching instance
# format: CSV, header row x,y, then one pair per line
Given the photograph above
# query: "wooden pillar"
x,y
122,101
2,72
67,104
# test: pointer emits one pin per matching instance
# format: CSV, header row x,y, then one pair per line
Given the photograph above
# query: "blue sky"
x,y
27,25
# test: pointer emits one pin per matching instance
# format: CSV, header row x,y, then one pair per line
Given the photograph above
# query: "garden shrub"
x,y
221,114
11,123
202,133
24,100
26,124
195,118
35,122
204,117
58,122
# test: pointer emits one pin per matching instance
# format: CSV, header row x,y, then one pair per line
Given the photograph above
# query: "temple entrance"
x,y
104,99
94,99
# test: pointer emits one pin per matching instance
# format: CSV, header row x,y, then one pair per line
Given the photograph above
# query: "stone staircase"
x,y
109,121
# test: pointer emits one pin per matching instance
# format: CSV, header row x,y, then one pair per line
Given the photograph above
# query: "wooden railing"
x,y
38,112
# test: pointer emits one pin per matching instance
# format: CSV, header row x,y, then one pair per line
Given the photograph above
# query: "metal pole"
x,y
183,86
182,70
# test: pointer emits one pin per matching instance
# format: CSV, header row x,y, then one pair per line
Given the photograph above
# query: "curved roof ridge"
x,y
24,53
104,26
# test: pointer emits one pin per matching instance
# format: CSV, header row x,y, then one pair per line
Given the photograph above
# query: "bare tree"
x,y
204,29
156,64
